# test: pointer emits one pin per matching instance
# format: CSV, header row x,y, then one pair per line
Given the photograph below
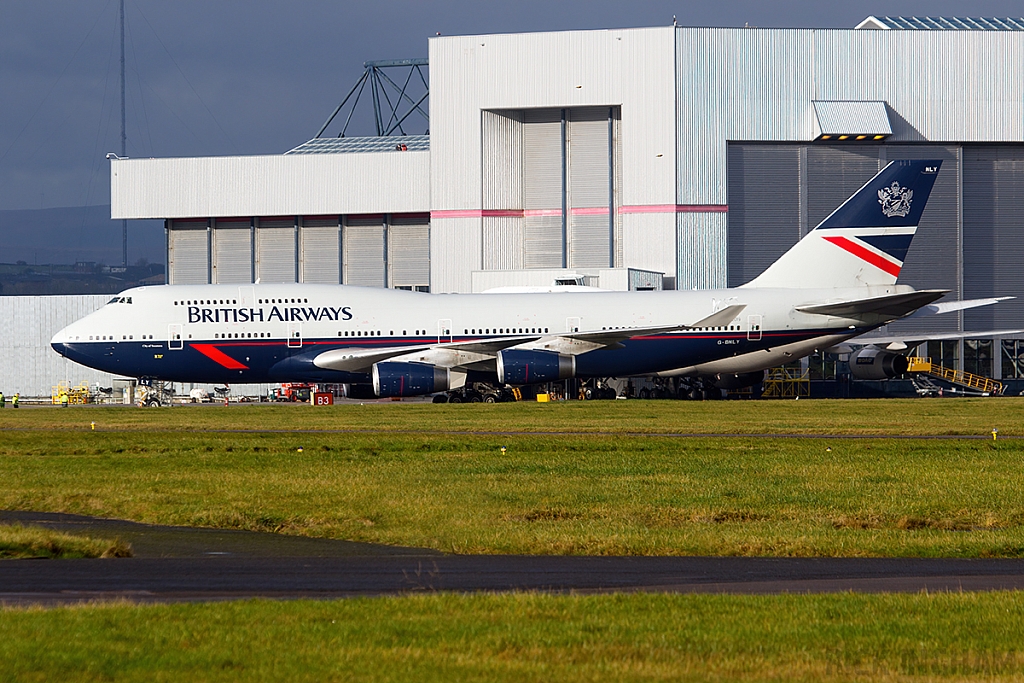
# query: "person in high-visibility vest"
x,y
64,399
14,401
3,400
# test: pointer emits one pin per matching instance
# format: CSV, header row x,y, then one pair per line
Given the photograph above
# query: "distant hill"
x,y
76,233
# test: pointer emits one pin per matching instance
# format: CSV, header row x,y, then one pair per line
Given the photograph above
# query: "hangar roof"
x,y
944,23
413,143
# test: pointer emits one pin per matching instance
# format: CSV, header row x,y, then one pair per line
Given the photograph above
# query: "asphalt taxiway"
x,y
174,564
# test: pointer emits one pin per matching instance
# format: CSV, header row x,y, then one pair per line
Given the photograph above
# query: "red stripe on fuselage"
x,y
219,357
866,255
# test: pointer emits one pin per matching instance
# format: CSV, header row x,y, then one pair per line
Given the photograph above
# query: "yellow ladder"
x,y
787,383
964,379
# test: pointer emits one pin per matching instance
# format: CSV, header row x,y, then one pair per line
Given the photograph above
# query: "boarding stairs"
x,y
984,385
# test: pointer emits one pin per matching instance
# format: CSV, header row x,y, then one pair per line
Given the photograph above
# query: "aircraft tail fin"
x,y
865,240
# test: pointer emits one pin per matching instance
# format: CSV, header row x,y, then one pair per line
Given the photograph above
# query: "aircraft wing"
x,y
467,353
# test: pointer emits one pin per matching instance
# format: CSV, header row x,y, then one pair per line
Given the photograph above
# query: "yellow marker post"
x,y
503,449
994,432
93,425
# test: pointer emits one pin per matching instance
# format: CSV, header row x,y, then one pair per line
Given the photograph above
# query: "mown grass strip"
x,y
866,417
527,637
21,542
579,494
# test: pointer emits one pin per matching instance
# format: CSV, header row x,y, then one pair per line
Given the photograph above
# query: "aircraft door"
x,y
444,330
294,335
572,324
754,323
174,335
247,296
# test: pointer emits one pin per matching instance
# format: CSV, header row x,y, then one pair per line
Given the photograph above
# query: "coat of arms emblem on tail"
x,y
895,200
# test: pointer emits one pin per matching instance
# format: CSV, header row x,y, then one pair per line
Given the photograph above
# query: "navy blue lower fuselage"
x,y
251,362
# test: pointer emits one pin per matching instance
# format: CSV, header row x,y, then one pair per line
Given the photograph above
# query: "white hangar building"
x,y
667,157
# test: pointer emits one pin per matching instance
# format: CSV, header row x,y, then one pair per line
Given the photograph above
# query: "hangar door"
x,y
363,247
409,252
232,251
187,253
542,188
570,195
993,226
320,243
275,249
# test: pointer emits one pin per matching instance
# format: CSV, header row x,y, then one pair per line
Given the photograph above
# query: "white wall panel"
x,y
459,240
277,185
28,365
649,242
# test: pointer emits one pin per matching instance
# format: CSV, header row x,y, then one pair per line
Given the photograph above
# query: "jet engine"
x,y
732,380
518,367
874,363
409,379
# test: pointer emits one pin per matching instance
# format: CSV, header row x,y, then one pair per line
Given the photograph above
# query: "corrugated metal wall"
x,y
764,206
232,251
993,229
279,185
502,168
188,253
27,323
320,240
409,253
589,187
543,188
275,249
364,251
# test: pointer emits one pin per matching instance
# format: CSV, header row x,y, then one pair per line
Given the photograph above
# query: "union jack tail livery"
x,y
865,241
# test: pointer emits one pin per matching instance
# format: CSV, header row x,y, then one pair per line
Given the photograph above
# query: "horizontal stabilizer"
x,y
889,306
912,339
952,306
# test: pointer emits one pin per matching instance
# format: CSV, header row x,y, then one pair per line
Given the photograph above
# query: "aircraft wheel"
x,y
440,398
455,398
645,393
475,398
490,398
588,394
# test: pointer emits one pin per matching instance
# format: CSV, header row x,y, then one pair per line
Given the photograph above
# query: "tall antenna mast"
x,y
124,138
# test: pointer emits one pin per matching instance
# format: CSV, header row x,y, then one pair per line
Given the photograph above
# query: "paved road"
x,y
177,564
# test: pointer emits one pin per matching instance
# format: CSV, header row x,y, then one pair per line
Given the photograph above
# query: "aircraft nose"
x,y
59,342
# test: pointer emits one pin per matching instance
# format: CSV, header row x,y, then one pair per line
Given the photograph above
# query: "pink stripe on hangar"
x,y
675,208
580,211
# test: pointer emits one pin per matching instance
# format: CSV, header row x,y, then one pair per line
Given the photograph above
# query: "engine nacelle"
x,y
518,367
409,379
732,380
874,363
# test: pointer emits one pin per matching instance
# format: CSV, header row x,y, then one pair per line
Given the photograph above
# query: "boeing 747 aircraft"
x,y
836,283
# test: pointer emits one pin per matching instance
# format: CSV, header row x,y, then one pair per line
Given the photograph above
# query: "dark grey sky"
x,y
256,76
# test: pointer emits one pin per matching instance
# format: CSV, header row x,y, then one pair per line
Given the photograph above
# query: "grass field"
x,y
876,417
527,637
575,478
396,479
20,542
